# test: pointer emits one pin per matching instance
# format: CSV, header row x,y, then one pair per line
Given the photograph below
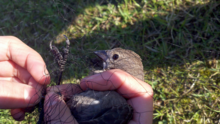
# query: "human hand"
x,y
138,94
22,76
55,108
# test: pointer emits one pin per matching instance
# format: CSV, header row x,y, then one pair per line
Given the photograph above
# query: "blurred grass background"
x,y
178,40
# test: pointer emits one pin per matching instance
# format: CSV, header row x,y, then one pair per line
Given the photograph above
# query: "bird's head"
x,y
123,59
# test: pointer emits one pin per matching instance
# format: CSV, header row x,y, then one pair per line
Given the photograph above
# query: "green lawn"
x,y
178,40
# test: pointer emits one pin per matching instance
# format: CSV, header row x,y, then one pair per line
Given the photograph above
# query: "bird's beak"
x,y
103,55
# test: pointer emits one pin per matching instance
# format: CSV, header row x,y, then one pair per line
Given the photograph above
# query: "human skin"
x,y
138,94
22,76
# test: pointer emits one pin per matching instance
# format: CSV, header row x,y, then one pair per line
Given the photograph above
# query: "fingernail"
x,y
46,79
52,104
90,77
46,72
53,98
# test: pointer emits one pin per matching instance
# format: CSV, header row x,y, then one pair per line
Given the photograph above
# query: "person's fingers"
x,y
18,114
17,95
143,109
11,79
15,50
138,93
56,110
66,90
14,71
116,79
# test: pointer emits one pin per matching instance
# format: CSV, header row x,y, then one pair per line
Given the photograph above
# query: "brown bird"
x,y
102,107
107,107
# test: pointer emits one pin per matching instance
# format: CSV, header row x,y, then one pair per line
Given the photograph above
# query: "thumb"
x,y
56,110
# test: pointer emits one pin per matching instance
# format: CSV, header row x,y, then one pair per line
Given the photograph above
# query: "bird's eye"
x,y
115,56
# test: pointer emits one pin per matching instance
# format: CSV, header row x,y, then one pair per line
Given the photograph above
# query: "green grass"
x,y
179,42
